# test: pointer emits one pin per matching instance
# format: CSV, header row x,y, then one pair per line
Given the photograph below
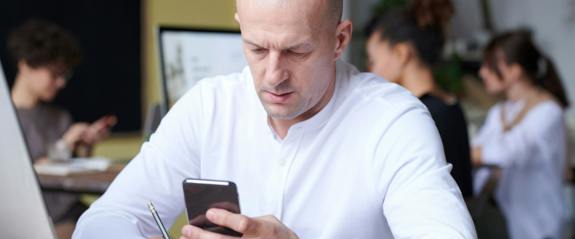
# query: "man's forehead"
x,y
281,14
292,7
281,3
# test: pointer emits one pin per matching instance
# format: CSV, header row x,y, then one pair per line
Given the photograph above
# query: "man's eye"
x,y
259,51
297,53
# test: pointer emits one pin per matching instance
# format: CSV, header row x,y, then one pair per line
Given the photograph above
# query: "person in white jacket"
x,y
525,136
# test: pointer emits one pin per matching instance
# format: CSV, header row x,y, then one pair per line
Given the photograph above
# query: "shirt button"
x,y
282,162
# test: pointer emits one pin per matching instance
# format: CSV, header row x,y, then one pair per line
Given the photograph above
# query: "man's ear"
x,y
343,37
237,17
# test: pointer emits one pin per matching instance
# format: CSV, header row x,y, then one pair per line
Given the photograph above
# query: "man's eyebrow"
x,y
305,45
295,46
252,43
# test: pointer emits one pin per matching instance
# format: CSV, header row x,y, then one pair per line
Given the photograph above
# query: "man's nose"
x,y
276,72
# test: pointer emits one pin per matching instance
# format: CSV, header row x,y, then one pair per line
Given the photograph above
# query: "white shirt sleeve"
x,y
154,175
421,199
488,126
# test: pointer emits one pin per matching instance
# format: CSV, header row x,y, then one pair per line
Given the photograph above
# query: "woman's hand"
x,y
86,135
99,129
74,134
476,156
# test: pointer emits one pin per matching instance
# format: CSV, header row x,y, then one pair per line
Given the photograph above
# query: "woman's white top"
x,y
532,158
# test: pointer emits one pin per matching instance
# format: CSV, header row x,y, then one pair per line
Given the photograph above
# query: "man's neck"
x,y
281,127
21,97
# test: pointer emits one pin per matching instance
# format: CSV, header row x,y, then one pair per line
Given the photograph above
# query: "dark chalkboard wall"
x,y
108,80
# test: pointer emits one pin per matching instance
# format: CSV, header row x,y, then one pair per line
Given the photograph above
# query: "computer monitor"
x,y
22,210
188,55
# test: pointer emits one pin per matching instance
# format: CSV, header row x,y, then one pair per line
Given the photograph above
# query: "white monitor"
x,y
189,55
22,210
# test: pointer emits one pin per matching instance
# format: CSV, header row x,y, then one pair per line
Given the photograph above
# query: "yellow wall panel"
x,y
184,13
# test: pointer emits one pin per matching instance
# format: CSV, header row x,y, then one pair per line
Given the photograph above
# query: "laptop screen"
x,y
22,210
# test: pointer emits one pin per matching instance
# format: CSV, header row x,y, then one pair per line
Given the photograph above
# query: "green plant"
x,y
449,74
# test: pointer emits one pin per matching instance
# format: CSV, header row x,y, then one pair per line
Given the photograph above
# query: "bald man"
x,y
317,149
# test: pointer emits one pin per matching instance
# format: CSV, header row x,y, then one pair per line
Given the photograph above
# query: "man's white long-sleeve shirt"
x,y
370,164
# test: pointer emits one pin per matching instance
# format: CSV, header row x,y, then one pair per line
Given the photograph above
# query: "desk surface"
x,y
88,183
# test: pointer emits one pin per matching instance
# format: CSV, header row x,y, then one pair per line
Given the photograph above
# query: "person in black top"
x,y
452,127
404,45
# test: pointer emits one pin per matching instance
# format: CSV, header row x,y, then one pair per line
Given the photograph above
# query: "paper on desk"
x,y
75,165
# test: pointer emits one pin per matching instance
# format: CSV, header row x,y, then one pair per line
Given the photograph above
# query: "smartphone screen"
x,y
201,195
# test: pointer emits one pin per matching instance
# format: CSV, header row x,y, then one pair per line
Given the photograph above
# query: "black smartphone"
x,y
201,195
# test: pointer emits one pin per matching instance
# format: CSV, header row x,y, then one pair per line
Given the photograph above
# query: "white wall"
x,y
467,20
359,12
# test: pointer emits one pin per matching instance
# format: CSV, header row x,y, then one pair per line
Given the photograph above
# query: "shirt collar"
x,y
316,121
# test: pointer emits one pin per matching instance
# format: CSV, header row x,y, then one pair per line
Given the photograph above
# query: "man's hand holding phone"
x,y
214,213
259,227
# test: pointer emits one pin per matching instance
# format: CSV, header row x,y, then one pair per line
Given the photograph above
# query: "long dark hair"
x,y
421,23
517,47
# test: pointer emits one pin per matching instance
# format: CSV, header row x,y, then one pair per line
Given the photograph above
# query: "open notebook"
x,y
75,165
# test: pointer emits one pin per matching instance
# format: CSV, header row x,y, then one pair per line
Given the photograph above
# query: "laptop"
x,y
23,213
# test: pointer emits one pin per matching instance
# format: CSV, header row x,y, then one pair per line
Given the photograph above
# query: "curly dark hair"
x,y
40,43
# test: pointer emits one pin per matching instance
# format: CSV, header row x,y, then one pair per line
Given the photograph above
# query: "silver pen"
x,y
158,221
